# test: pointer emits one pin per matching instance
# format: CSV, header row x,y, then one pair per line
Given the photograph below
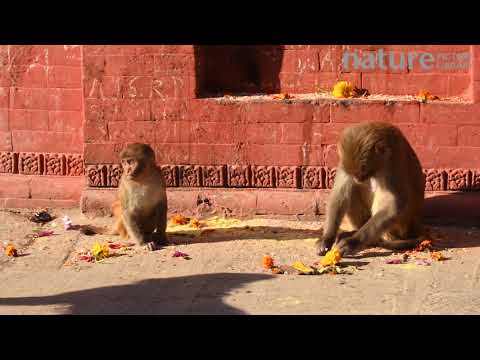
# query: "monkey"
x,y
379,188
141,207
118,227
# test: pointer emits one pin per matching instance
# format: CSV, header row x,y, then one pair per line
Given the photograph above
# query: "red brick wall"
x,y
307,67
60,105
41,124
41,102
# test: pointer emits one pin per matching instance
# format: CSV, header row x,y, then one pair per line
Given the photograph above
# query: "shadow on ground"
x,y
196,294
241,233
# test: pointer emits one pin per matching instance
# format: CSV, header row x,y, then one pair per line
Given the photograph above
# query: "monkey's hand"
x,y
324,244
349,245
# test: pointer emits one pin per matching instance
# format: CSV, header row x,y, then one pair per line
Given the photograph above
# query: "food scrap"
x,y
197,224
180,220
302,268
86,257
437,255
424,245
401,260
277,271
283,96
331,258
67,223
42,233
358,92
267,262
343,89
181,254
100,251
10,250
425,95
41,217
115,246
394,261
331,269
423,262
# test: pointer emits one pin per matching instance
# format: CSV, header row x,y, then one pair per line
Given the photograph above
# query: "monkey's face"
x,y
136,159
131,167
360,165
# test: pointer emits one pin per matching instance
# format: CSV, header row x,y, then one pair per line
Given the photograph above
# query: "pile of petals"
x,y
42,233
299,268
181,254
425,247
346,90
424,96
10,250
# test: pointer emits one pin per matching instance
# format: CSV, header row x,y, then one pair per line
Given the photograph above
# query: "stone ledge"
x,y
440,207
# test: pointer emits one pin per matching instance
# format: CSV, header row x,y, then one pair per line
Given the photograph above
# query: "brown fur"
x,y
379,189
118,227
141,208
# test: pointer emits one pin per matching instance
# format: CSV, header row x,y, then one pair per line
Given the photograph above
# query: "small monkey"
x,y
141,208
379,189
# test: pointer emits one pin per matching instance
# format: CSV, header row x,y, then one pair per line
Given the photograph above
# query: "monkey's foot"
x,y
159,239
152,246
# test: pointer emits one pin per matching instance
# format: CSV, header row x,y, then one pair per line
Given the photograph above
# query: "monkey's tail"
x,y
403,244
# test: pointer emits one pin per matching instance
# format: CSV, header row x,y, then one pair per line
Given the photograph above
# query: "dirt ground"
x,y
224,274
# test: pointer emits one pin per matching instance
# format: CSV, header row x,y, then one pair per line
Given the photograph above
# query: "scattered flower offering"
x,y
197,224
86,257
331,269
394,261
425,95
42,233
181,254
100,251
302,268
267,262
10,250
424,245
331,258
343,89
423,262
180,220
437,255
115,246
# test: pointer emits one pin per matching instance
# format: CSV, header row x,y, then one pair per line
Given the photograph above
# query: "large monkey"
x,y
379,189
141,211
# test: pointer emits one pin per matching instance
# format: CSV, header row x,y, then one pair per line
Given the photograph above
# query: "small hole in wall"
x,y
237,70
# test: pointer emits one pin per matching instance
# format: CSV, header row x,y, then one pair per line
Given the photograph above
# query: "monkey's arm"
x,y
370,233
131,222
336,208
